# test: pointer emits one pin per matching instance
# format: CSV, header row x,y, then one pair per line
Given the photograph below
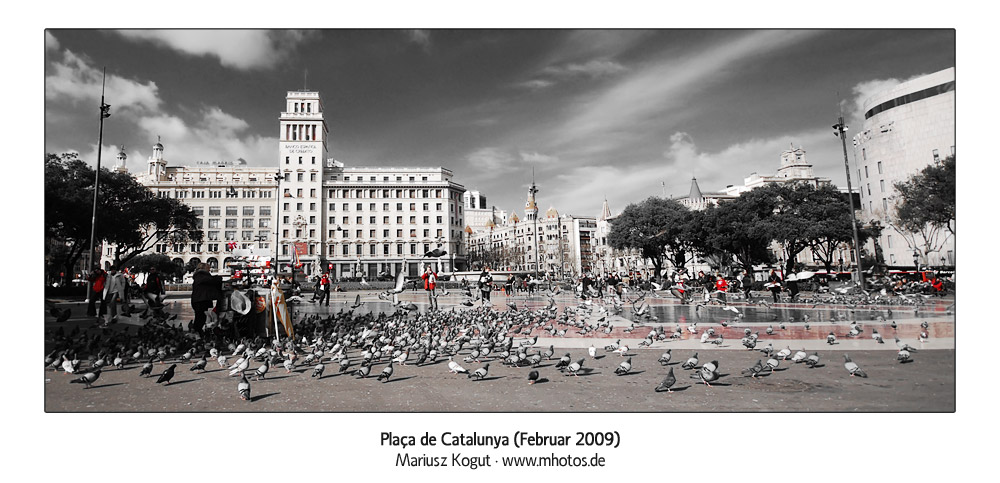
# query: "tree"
x,y
929,197
925,207
650,227
129,215
734,229
162,263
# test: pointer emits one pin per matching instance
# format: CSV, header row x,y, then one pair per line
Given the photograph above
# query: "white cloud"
x,y
238,49
421,38
593,68
655,88
51,43
865,90
582,189
73,78
490,160
215,136
538,158
536,84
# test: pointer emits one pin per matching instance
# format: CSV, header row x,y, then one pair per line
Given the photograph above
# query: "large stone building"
x,y
906,128
564,243
351,220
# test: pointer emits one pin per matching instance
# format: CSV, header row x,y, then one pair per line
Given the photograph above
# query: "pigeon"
x,y
532,377
667,382
772,364
665,358
563,361
88,378
318,371
770,330
709,373
624,367
455,368
754,370
903,355
877,337
386,373
167,375
903,346
799,356
923,336
575,367
831,339
67,365
924,325
813,360
259,373
244,388
200,365
242,365
852,368
64,316
592,351
547,355
344,364
784,353
147,368
622,350
481,372
690,363
704,337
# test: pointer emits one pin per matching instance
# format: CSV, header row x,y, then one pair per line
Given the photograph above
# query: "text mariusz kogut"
x,y
482,443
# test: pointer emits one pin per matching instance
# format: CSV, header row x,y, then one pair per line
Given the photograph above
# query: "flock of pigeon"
x,y
353,343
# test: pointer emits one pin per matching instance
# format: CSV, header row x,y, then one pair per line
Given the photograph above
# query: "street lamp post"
x,y
105,113
841,132
277,222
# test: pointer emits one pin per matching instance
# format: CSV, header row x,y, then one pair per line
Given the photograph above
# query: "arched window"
x,y
213,264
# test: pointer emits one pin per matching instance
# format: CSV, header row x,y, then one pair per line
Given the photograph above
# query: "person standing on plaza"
x,y
486,285
430,282
707,284
114,291
97,278
721,286
324,290
205,290
774,284
792,282
154,288
746,284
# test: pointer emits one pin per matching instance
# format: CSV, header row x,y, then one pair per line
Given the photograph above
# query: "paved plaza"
x,y
927,383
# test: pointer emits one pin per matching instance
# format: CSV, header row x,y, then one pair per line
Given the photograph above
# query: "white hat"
x,y
239,302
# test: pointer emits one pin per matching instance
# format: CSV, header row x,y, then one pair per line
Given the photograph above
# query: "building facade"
x,y
906,128
351,220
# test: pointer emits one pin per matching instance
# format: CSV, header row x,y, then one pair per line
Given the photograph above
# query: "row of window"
x,y
230,210
214,194
360,220
231,223
385,206
248,235
359,250
385,193
210,247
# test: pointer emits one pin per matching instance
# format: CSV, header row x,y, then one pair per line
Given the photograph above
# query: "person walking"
x,y
154,288
486,285
114,292
205,290
792,282
430,283
746,284
324,290
97,277
678,289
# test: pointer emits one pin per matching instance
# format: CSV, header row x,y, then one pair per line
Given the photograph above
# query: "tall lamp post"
x,y
534,191
840,130
105,113
277,222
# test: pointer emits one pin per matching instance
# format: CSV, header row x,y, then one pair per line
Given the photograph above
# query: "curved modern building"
x,y
906,128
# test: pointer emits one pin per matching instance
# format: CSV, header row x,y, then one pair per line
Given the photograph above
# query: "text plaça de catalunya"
x,y
520,438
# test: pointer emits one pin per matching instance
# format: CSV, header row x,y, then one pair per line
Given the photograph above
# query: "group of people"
x,y
112,288
714,287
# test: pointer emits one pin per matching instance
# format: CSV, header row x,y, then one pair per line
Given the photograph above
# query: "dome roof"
x,y
552,213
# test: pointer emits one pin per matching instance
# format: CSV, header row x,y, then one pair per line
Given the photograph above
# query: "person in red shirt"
x,y
430,282
324,290
721,285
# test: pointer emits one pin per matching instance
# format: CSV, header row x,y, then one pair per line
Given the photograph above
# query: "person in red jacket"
x,y
430,282
721,285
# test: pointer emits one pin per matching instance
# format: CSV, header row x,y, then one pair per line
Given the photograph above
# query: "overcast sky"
x,y
621,114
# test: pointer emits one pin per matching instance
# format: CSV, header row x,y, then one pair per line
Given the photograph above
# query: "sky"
x,y
596,114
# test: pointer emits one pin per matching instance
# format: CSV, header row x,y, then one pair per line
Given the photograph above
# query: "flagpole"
x,y
105,112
